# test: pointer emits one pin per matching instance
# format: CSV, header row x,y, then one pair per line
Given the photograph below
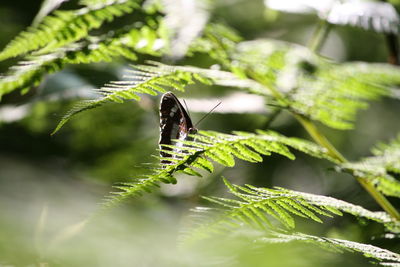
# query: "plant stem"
x,y
318,137
271,118
315,45
319,36
321,140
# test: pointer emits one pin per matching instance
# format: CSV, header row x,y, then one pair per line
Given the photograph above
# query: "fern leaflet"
x,y
250,216
218,41
126,43
256,207
380,168
66,26
191,156
152,79
382,256
311,86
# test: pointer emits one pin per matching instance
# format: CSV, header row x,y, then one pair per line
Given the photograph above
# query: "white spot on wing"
x,y
174,109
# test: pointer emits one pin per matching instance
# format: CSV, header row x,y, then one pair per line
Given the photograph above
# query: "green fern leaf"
x,y
147,79
66,26
254,206
212,146
204,164
382,256
125,44
218,41
379,169
151,79
335,206
312,86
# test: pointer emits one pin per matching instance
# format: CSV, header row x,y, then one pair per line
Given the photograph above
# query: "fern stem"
x,y
313,131
319,137
323,141
272,116
315,44
379,198
319,36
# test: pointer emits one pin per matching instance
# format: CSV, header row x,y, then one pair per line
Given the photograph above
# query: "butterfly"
x,y
175,123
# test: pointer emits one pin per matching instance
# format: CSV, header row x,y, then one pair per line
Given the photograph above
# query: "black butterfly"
x,y
175,123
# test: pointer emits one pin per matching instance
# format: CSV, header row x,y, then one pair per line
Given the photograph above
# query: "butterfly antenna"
x,y
208,113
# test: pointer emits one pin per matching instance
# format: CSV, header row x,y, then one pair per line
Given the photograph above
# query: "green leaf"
x,y
382,256
213,146
35,67
379,169
66,26
312,86
255,206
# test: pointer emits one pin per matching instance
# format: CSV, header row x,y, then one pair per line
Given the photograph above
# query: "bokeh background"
x,y
50,184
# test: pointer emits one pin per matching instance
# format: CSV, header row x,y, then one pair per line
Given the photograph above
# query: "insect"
x,y
175,123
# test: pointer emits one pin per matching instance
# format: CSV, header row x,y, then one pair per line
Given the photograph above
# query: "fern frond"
x,y
222,78
304,83
151,79
250,215
218,41
314,87
66,26
144,79
388,155
137,188
382,256
334,205
380,167
339,91
126,43
191,156
255,207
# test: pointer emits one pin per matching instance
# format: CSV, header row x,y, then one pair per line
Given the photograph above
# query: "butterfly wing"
x,y
175,123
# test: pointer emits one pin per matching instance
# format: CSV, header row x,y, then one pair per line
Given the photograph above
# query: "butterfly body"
x,y
175,123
